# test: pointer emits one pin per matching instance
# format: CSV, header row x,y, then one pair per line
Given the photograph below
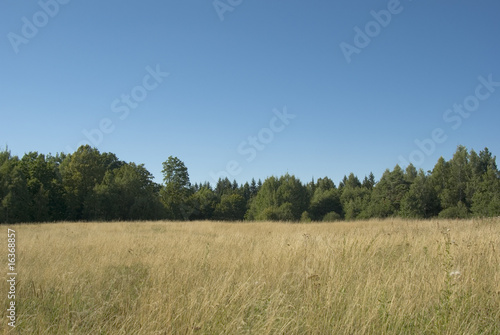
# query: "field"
x,y
374,277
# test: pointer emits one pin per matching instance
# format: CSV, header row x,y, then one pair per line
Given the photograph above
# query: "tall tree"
x,y
456,197
203,202
223,186
369,182
279,199
45,187
421,201
232,207
177,189
326,199
388,193
126,193
81,171
14,193
355,197
486,200
253,188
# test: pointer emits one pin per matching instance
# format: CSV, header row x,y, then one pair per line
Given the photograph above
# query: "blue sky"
x,y
68,68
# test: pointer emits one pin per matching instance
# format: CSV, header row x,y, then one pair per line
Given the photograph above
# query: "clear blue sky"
x,y
72,72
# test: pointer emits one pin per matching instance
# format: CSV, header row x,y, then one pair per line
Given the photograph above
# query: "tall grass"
x,y
374,277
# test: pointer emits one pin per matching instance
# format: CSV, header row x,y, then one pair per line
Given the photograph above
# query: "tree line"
x,y
94,186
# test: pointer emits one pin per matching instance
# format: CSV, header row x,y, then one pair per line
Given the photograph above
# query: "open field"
x,y
375,277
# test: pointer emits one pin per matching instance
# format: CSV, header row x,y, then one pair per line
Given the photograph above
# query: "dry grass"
x,y
375,277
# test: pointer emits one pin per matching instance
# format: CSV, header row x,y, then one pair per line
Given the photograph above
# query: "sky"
x,y
249,89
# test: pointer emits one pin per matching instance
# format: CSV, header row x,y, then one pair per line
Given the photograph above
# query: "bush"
x,y
305,217
270,214
459,211
332,216
286,212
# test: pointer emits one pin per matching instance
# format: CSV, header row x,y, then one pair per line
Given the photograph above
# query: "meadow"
x,y
368,277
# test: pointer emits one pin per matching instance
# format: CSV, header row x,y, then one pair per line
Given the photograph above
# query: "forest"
x,y
88,185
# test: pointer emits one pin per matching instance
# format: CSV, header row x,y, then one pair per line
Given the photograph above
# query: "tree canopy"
x,y
90,185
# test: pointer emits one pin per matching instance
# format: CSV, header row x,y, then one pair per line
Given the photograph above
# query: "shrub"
x,y
332,216
459,211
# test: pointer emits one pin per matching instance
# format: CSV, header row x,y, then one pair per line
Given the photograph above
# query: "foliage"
x,y
232,207
283,199
325,199
421,201
177,189
332,216
388,193
459,211
90,185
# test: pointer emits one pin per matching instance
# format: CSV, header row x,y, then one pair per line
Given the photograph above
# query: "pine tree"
x,y
388,193
486,200
253,188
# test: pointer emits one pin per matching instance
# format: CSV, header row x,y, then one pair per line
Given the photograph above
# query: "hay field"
x,y
373,277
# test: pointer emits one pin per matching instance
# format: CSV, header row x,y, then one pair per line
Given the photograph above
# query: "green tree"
x,y
177,189
245,192
421,201
354,197
223,186
203,202
292,191
126,193
355,201
265,199
486,200
253,188
326,199
15,197
388,193
45,187
457,188
232,207
410,174
81,171
284,199
352,181
369,182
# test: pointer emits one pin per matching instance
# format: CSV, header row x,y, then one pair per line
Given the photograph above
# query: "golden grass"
x,y
373,277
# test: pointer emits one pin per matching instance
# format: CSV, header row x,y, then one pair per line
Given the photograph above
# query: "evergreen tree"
x,y
89,185
486,200
369,182
354,199
410,174
352,181
245,192
224,186
253,188
456,196
388,193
